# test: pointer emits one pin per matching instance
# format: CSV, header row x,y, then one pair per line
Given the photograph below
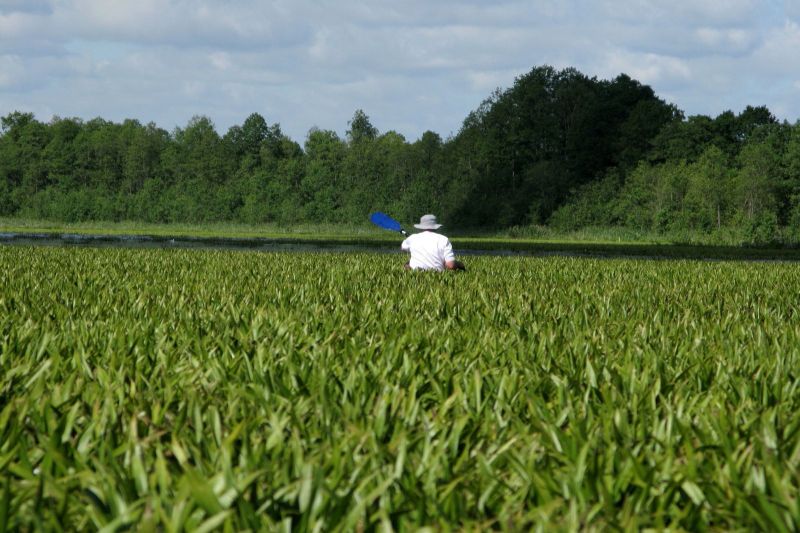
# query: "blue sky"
x,y
411,65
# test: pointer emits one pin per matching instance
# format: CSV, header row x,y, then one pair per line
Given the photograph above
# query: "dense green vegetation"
x,y
330,231
731,176
174,390
514,160
528,241
556,148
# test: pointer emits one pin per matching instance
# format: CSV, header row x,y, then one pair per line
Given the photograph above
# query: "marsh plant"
x,y
174,390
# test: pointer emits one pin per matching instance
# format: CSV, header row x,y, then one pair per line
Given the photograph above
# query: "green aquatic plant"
x,y
205,390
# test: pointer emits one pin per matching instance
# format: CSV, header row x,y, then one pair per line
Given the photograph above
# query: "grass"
x,y
211,230
202,390
604,242
539,234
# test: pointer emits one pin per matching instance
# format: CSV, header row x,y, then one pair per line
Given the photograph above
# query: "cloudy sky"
x,y
411,65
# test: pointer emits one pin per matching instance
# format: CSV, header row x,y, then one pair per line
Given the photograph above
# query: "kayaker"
x,y
430,250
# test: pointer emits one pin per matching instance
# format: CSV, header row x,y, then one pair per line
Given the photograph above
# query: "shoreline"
x,y
391,244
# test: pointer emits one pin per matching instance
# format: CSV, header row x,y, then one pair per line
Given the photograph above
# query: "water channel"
x,y
290,244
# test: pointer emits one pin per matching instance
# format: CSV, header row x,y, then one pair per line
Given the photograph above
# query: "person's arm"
x,y
405,245
450,262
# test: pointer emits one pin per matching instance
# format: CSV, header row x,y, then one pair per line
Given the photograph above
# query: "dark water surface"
x,y
207,243
466,247
279,244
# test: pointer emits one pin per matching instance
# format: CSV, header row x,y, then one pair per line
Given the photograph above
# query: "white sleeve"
x,y
447,251
406,246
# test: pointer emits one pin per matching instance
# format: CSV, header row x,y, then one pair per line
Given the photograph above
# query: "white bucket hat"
x,y
427,222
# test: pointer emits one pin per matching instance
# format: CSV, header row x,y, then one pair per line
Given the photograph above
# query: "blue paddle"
x,y
386,222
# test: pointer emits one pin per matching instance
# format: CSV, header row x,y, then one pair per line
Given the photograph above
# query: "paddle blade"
x,y
385,221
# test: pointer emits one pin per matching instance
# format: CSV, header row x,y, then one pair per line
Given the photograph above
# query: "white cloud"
x,y
780,52
17,25
25,6
714,38
220,60
411,65
486,81
683,12
12,72
652,69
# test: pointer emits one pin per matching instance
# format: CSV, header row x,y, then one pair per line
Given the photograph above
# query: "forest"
x,y
557,148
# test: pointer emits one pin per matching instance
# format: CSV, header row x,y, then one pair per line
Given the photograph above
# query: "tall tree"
x,y
551,132
709,189
360,128
361,169
756,180
321,187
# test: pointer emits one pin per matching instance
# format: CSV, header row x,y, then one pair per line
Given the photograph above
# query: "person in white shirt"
x,y
429,250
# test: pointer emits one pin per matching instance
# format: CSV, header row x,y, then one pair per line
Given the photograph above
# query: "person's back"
x,y
429,250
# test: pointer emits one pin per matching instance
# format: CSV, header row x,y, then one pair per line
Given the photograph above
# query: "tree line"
x,y
736,177
557,147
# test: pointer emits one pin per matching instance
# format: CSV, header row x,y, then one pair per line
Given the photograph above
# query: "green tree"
x,y
550,133
200,165
752,119
394,172
13,156
682,140
426,181
756,180
708,196
320,187
361,188
200,155
29,137
360,128
791,166
100,150
141,159
652,196
593,204
59,156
